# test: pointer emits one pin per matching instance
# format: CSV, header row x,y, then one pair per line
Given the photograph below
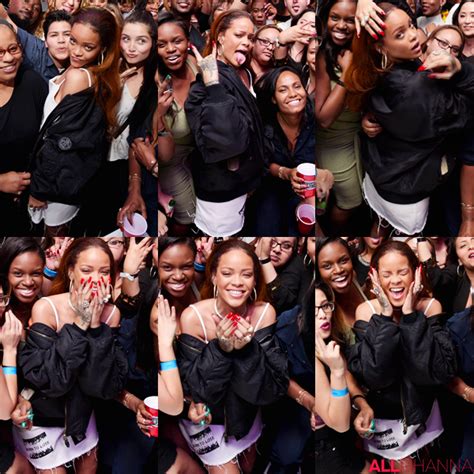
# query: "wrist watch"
x,y
129,276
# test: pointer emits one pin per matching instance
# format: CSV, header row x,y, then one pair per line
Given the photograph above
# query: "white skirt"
x,y
209,444
220,219
45,448
409,219
390,442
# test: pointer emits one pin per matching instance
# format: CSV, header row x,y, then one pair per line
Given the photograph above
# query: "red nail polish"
x,y
432,76
375,36
382,33
82,281
235,324
91,284
421,68
90,279
384,25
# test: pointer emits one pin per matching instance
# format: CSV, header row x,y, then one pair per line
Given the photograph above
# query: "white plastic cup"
x,y
137,229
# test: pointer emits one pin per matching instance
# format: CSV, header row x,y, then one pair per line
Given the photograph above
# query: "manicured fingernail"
x,y
384,25
374,36
82,281
23,424
90,279
421,68
168,77
381,33
432,76
202,422
235,324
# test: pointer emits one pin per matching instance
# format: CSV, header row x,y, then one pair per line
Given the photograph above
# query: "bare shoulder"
x,y
43,312
365,311
189,319
75,80
269,317
429,306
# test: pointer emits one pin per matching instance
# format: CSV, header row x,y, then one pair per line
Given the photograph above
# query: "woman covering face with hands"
x,y
71,357
228,358
401,350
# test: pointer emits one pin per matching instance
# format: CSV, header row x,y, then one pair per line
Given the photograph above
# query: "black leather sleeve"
x,y
427,353
50,361
374,358
104,372
261,370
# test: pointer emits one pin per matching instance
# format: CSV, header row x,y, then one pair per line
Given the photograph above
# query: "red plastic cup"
x,y
137,229
307,171
306,217
151,405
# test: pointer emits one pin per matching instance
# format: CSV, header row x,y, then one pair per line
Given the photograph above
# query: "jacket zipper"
x,y
66,442
189,347
404,421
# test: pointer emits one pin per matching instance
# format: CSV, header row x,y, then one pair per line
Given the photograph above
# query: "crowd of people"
x,y
211,104
79,326
394,338
393,105
91,328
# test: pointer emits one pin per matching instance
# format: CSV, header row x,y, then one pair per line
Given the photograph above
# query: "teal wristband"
x,y
9,370
168,365
339,393
199,267
49,273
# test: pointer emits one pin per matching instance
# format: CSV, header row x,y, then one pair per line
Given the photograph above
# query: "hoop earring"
x,y
215,292
254,294
71,285
219,49
460,271
101,58
384,61
306,260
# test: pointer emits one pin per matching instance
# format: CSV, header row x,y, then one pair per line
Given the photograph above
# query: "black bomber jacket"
x,y
70,149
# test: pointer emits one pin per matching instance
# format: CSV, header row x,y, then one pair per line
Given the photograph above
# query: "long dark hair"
x,y
14,246
456,13
331,50
265,90
148,91
107,88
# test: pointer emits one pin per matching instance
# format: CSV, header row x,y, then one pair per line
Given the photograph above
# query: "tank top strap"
x,y
55,311
192,66
201,320
261,317
88,75
110,315
372,307
428,306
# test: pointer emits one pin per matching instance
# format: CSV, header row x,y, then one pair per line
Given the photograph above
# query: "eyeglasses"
x,y
446,46
327,307
115,243
14,49
4,300
286,246
267,43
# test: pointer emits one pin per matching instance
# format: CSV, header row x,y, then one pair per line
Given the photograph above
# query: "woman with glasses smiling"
x,y
19,90
264,50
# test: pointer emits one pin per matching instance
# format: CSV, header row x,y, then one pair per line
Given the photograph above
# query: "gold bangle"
x,y
467,394
301,394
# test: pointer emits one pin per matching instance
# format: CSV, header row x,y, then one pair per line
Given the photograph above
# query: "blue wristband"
x,y
49,273
168,365
339,393
9,370
199,267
